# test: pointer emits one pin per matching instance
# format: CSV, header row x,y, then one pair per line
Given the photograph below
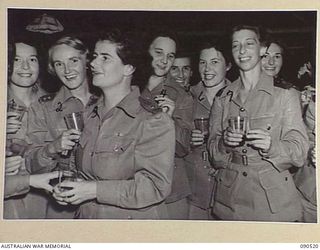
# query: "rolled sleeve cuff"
x,y
108,192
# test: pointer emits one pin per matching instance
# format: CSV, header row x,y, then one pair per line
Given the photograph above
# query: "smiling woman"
x,y
47,128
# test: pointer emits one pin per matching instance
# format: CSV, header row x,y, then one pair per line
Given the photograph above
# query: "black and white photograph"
x,y
160,115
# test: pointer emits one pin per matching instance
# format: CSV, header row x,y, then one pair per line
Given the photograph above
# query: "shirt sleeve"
x,y
182,117
16,185
154,157
38,160
219,153
292,146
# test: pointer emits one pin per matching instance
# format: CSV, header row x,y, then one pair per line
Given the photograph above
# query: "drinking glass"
x,y
238,124
73,120
202,124
18,109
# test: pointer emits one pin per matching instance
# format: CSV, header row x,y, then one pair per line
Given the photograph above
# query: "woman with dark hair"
x,y
22,202
214,63
53,141
126,150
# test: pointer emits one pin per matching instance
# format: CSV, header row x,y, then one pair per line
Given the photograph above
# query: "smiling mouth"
x,y
271,69
161,67
244,59
70,77
25,74
209,76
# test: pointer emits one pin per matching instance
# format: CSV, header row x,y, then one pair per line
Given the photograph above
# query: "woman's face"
x,y
69,65
246,49
162,50
25,66
107,67
212,67
272,60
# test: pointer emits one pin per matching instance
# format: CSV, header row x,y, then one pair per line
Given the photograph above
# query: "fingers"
x,y
197,138
12,172
232,138
13,164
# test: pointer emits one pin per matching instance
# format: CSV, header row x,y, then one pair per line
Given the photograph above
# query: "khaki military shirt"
x,y
129,152
261,189
199,168
182,117
46,123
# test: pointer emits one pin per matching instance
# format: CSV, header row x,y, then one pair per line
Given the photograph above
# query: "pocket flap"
x,y
114,144
227,177
261,122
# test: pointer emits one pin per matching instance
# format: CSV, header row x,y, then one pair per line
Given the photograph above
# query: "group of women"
x,y
140,155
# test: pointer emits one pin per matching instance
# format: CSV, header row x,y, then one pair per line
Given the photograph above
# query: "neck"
x,y
26,95
113,95
250,78
212,91
154,81
82,93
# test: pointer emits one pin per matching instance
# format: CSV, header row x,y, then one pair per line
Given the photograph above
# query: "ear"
x,y
228,67
129,70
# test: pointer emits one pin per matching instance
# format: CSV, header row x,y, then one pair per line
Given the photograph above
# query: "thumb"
x,y
48,187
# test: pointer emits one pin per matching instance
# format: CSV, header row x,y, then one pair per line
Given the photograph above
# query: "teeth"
x,y
70,77
25,74
244,59
209,76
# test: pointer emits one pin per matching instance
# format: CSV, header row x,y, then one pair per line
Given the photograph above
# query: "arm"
x,y
16,185
219,153
292,146
38,157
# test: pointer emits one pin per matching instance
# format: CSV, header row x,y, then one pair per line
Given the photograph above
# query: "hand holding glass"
x,y
17,109
73,121
202,124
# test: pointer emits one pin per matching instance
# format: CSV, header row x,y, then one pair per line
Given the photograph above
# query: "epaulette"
x,y
281,83
46,98
149,104
93,100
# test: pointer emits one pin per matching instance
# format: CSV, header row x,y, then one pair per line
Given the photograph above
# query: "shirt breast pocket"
x,y
114,157
116,145
262,122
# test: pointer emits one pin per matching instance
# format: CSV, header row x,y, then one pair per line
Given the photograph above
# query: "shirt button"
x,y
244,151
244,174
92,153
242,109
116,148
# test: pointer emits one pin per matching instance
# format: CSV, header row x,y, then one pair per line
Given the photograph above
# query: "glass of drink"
x,y
238,124
19,110
202,124
73,120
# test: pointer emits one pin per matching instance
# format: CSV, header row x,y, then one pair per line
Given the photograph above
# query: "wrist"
x,y
49,151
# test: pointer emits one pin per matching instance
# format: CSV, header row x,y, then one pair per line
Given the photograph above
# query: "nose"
x,y
271,60
25,64
92,63
164,59
66,68
180,73
242,49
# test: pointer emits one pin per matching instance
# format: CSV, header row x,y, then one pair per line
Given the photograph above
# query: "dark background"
x,y
297,29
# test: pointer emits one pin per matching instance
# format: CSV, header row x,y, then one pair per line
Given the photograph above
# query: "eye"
x,y
34,59
57,64
202,62
171,57
158,52
214,61
278,56
17,59
235,45
74,60
174,68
